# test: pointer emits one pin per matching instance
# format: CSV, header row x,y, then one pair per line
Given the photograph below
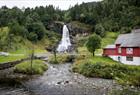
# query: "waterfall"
x,y
65,43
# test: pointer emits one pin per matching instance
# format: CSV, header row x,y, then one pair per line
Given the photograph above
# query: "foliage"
x,y
61,58
17,30
28,24
124,92
109,38
93,43
36,31
112,14
38,67
10,58
99,30
106,69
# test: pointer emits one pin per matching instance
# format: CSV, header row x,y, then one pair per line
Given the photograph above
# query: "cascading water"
x,y
65,41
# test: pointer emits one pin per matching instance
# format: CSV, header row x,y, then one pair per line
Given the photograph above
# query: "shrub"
x,y
124,92
38,67
124,74
61,58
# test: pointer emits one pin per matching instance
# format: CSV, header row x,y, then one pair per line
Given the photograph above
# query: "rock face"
x,y
76,28
56,26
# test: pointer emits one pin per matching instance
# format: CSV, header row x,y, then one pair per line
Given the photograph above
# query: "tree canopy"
x,y
93,43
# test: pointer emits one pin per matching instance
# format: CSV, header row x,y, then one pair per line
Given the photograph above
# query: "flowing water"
x,y
65,41
59,80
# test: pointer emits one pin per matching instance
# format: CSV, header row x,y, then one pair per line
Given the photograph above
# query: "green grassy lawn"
x,y
96,59
19,54
38,67
101,59
11,58
107,40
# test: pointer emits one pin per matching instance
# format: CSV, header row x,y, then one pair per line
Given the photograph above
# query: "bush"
x,y
124,74
38,67
61,58
124,92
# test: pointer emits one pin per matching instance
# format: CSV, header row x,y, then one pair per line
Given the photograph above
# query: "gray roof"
x,y
129,40
110,46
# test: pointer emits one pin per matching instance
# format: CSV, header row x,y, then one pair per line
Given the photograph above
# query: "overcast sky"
x,y
62,4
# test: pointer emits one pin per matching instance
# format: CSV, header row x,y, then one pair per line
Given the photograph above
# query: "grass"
x,y
4,59
61,58
124,92
19,54
107,68
108,39
96,59
101,59
38,67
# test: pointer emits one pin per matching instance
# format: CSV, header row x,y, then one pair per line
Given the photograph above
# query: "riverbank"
x,y
60,80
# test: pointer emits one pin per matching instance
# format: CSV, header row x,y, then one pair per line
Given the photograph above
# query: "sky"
x,y
62,4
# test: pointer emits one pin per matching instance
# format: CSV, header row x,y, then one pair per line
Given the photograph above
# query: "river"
x,y
59,80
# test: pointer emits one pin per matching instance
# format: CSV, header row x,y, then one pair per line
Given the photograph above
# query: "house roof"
x,y
129,40
110,46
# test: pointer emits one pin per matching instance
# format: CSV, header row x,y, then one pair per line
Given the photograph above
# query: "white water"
x,y
65,41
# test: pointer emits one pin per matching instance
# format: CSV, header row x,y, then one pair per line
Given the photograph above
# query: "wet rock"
x,y
66,82
59,82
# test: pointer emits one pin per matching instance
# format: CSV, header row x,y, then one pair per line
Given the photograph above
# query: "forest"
x,y
33,24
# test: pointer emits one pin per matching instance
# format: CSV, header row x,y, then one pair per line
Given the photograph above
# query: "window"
x,y
129,58
119,50
129,50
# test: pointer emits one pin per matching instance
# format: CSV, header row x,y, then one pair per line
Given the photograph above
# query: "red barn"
x,y
126,48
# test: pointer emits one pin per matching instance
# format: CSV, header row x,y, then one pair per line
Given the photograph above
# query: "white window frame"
x,y
129,58
119,50
129,50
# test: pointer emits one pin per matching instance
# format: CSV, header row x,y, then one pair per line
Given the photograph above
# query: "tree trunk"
x,y
32,58
55,55
93,54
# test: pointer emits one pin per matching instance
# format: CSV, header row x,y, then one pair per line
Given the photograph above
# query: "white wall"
x,y
114,57
136,60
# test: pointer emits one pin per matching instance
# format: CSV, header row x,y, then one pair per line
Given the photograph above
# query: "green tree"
x,y
99,30
93,43
17,29
33,39
37,28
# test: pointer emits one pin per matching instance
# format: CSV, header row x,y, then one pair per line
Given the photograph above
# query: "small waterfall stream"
x,y
65,41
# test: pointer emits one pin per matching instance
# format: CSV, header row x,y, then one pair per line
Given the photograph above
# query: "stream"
x,y
59,80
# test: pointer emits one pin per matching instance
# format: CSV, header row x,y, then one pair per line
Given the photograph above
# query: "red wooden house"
x,y
126,48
